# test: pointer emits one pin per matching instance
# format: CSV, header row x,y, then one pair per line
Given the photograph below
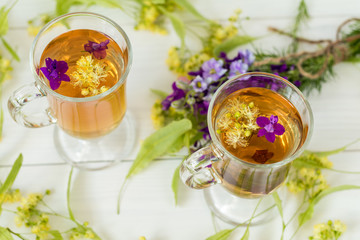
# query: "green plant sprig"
x,y
301,18
316,67
310,163
34,217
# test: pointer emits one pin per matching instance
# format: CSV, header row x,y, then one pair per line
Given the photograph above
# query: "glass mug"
x,y
240,182
91,132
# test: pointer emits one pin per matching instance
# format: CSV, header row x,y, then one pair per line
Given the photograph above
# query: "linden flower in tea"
x,y
88,76
257,125
238,123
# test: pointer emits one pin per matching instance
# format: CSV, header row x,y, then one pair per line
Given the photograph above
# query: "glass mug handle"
x,y
25,96
197,170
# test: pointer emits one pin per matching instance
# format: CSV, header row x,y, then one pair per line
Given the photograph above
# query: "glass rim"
x,y
85,99
217,143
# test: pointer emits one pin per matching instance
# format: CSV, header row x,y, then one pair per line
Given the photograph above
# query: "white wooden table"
x,y
148,206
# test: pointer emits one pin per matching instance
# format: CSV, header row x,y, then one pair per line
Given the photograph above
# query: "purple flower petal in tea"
x,y
97,49
270,127
213,69
55,72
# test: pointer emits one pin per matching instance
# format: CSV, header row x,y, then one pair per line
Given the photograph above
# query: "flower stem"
x,y
342,171
121,194
16,234
52,211
297,211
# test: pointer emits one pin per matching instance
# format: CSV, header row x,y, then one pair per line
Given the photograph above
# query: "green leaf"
x,y
278,203
222,235
191,9
335,151
71,214
5,235
177,23
64,6
10,50
331,190
246,234
56,234
308,213
4,24
158,144
159,93
175,183
178,144
1,122
12,175
158,1
232,43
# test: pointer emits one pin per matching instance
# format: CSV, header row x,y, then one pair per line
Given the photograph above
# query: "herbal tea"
x,y
259,126
80,64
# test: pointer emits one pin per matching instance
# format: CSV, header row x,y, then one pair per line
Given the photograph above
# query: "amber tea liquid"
x,y
244,180
87,119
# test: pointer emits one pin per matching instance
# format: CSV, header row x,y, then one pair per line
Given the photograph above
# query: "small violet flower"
x,y
199,84
213,69
270,127
55,72
247,56
97,49
176,95
238,67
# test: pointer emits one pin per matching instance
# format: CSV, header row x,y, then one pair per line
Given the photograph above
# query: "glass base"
x,y
98,153
235,210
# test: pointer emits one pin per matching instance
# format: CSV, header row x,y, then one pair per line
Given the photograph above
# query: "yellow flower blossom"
x,y
88,76
11,196
195,61
238,122
151,18
5,69
307,179
328,231
156,115
173,61
89,234
235,138
33,30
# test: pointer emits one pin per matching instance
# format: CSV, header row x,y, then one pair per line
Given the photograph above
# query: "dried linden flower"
x,y
238,123
88,75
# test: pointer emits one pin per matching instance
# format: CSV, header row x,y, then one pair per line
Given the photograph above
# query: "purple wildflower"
x,y
206,133
55,72
199,84
270,127
238,67
201,107
98,49
247,56
213,69
279,68
297,83
176,95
